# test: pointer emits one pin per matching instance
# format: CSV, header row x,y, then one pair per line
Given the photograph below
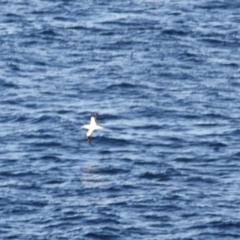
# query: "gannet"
x,y
91,127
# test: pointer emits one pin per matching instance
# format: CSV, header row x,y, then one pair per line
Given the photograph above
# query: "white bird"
x,y
91,127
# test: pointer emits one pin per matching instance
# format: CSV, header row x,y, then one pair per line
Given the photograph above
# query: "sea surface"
x,y
164,78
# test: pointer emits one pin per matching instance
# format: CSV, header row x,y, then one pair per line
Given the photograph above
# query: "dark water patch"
x,y
31,44
225,224
39,63
48,144
108,117
157,217
213,41
101,235
112,141
18,174
235,132
54,182
236,156
106,152
190,116
49,32
207,124
78,27
213,115
175,142
202,180
65,112
216,5
217,235
20,118
108,33
13,236
184,159
28,205
215,145
231,65
39,135
14,67
31,105
157,176
153,127
13,18
51,158
8,84
219,229
122,86
174,32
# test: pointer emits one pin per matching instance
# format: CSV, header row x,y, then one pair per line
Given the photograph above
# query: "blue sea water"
x,y
164,77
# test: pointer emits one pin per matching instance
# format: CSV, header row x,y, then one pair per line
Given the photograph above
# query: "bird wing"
x,y
98,127
85,126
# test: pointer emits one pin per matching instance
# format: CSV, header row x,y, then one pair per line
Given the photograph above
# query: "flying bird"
x,y
92,127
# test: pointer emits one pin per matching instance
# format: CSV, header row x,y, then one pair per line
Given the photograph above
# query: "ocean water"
x,y
164,77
